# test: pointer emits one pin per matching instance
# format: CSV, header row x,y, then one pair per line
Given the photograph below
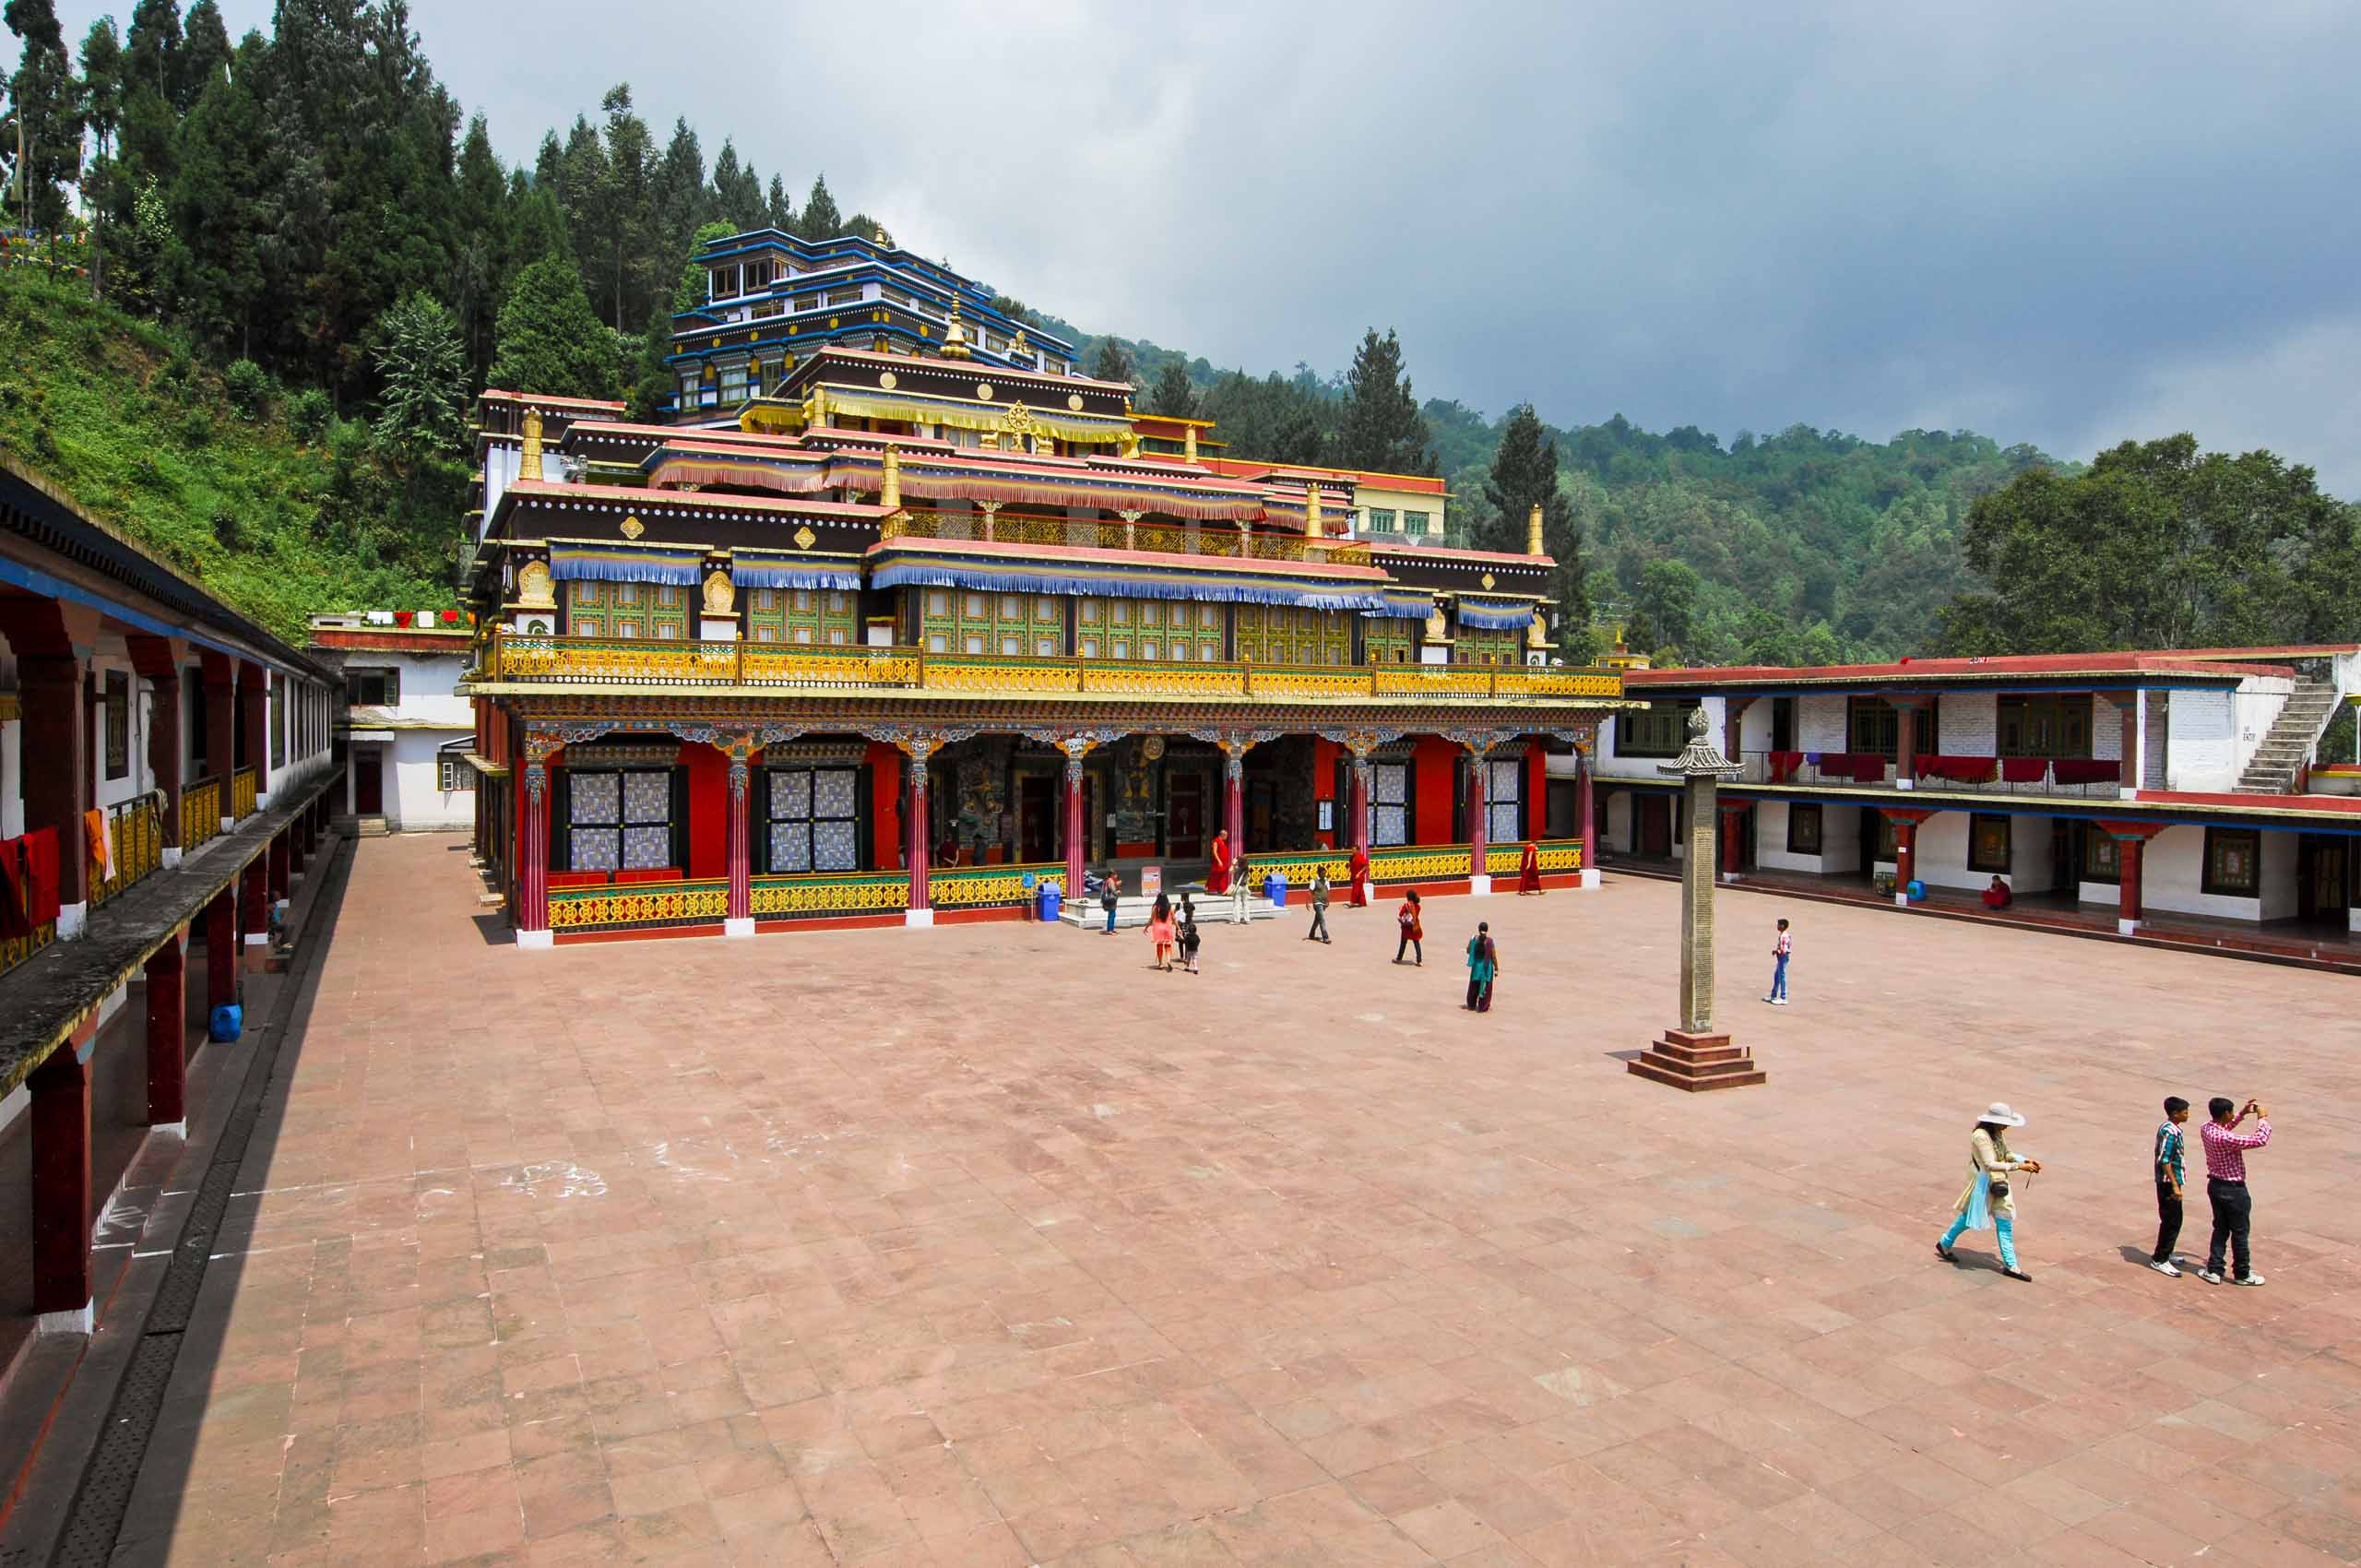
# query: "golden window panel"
x,y
1278,634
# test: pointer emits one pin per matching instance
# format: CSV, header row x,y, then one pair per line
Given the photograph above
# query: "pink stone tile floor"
x,y
990,1246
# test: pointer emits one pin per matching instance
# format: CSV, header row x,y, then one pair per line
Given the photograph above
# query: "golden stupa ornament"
x,y
954,334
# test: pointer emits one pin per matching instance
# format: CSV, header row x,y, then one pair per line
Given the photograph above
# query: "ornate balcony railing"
x,y
242,794
200,813
138,840
644,662
1224,541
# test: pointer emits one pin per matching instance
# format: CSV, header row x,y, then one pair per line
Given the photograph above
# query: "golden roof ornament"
x,y
954,334
529,465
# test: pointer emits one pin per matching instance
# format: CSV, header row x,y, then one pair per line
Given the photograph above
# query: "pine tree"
x,y
1383,429
821,221
626,211
782,208
1174,397
43,110
478,261
1525,469
422,365
549,340
204,54
217,221
152,49
738,192
103,109
1113,362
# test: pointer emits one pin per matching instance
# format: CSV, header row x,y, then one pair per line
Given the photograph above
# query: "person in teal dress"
x,y
1483,964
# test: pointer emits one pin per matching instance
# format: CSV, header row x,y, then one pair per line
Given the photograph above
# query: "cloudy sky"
x,y
2066,224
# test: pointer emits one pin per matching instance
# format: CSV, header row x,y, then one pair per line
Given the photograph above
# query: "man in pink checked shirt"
x,y
2226,1184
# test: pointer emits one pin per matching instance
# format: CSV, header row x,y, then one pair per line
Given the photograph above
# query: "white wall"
x,y
414,800
1942,853
2156,721
2202,750
1613,766
1615,827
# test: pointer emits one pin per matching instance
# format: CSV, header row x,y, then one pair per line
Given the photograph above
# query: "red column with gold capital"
x,y
533,851
1234,802
921,908
1586,821
1479,765
740,919
1077,831
1359,801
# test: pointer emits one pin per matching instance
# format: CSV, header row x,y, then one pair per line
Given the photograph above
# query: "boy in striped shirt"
x,y
2168,1173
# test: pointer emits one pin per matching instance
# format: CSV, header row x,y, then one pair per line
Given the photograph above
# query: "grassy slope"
x,y
116,414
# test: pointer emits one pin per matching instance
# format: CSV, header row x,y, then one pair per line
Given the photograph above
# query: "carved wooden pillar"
x,y
918,750
532,878
1479,767
1358,800
740,919
1585,813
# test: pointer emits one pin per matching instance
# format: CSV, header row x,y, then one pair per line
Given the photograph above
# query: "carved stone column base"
x,y
1697,1063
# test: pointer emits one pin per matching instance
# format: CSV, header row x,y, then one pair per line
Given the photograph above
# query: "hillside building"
x,y
405,732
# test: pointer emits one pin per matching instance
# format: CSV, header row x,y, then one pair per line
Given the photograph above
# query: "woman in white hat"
x,y
1987,1202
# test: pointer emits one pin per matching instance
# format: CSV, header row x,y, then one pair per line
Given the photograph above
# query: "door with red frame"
x,y
369,781
1184,816
1652,825
1037,818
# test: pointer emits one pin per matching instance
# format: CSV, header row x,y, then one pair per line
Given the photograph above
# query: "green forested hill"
x,y
272,503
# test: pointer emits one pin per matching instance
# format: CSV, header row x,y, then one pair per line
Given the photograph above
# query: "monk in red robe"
x,y
1528,870
1357,868
1217,879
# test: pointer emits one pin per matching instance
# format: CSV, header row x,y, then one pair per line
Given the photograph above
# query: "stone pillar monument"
x,y
1693,1056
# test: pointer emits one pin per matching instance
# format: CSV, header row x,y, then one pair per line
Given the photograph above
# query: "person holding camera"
x,y
2225,1185
1989,1201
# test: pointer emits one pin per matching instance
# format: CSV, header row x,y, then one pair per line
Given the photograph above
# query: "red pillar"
x,y
1905,858
156,661
533,856
1234,804
220,724
55,755
2127,853
1480,881
1359,803
60,1118
1584,820
254,693
922,911
221,949
282,867
168,1033
253,908
740,919
1733,840
1077,835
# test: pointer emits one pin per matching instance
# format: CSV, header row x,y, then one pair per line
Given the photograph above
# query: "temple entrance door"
x,y
1651,819
1184,816
1037,818
369,780
1262,799
2323,873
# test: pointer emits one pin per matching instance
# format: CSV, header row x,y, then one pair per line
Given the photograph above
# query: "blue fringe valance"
x,y
781,575
609,563
1027,580
1403,606
1495,617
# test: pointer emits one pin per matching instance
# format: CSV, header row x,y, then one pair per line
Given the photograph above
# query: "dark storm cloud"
x,y
2059,224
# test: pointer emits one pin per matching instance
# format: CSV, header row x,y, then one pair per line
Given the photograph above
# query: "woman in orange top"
x,y
1528,870
1160,932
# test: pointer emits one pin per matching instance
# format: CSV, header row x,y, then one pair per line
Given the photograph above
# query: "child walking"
x,y
2168,1174
1779,951
1413,932
1189,937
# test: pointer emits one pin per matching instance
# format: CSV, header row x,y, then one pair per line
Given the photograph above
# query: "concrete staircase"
x,y
1133,910
2273,769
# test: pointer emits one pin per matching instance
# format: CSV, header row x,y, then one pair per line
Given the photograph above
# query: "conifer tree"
x,y
821,221
1383,429
204,54
738,192
103,109
1525,469
43,110
216,204
1111,363
782,208
423,365
549,340
1174,396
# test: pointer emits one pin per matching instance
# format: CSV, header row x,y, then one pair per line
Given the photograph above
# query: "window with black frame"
x,y
1991,843
1803,829
619,819
1659,730
2233,862
811,818
1389,803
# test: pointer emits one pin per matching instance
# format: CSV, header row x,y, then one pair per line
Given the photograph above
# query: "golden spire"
x,y
529,465
1532,531
1312,525
954,333
890,495
1189,442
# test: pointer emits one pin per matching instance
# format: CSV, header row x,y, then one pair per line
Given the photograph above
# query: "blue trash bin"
x,y
1917,890
1050,900
1274,888
228,1022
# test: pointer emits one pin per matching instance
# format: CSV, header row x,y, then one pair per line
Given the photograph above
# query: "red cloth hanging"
x,y
1868,769
2085,770
40,850
1784,766
2024,769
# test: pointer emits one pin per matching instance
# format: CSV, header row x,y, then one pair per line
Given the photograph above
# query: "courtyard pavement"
x,y
990,1245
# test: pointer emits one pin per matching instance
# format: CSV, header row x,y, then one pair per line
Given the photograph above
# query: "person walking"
x,y
1240,911
1189,937
1160,932
1319,931
1483,965
2168,1171
1528,870
2225,1185
1218,878
1410,918
1989,1201
1357,873
1110,893
1779,951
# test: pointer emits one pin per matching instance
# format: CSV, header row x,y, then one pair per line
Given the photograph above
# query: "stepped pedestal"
x,y
1697,1063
